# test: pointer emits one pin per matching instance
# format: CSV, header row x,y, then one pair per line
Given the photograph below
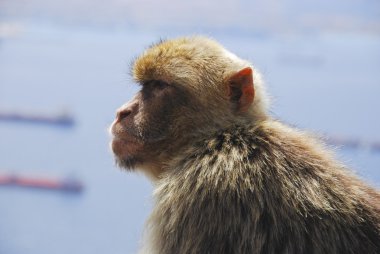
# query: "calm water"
x,y
324,82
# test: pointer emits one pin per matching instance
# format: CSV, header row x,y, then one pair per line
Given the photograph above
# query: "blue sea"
x,y
328,83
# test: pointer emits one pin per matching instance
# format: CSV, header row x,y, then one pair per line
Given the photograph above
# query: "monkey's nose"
x,y
122,114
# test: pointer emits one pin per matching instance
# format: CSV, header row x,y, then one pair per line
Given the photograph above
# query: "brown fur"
x,y
262,189
238,182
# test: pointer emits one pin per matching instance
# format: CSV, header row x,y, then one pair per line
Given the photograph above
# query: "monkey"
x,y
228,177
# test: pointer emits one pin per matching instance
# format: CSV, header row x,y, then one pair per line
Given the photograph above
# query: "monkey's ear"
x,y
240,89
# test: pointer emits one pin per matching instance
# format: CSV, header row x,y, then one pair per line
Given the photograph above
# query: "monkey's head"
x,y
190,87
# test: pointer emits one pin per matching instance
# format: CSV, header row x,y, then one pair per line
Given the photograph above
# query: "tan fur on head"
x,y
198,63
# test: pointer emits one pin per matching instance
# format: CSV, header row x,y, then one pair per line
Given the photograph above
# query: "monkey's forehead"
x,y
186,59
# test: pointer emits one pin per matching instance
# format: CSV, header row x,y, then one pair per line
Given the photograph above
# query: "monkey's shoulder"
x,y
236,159
258,147
265,162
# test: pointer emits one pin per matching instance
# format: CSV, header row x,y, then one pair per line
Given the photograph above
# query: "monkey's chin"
x,y
129,163
126,153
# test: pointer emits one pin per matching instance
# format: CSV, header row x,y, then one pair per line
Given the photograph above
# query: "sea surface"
x,y
328,83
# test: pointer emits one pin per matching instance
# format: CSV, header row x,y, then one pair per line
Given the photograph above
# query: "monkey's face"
x,y
190,88
144,129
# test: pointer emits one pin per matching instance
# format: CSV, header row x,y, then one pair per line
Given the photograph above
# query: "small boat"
x,y
354,143
66,185
10,30
375,146
350,143
62,120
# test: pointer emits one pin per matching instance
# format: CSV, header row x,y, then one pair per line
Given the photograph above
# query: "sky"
x,y
288,16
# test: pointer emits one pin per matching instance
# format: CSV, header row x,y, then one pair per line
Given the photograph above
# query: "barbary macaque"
x,y
228,177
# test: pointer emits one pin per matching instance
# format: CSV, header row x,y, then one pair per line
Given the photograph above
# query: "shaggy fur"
x,y
240,182
262,188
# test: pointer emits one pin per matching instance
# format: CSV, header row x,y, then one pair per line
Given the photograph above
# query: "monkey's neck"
x,y
200,142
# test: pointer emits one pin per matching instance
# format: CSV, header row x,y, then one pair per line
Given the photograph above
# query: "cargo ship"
x,y
61,120
65,185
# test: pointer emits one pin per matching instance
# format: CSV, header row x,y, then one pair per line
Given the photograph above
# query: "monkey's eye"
x,y
154,88
158,84
155,84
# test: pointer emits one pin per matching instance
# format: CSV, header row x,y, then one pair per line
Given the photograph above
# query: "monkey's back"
x,y
268,189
